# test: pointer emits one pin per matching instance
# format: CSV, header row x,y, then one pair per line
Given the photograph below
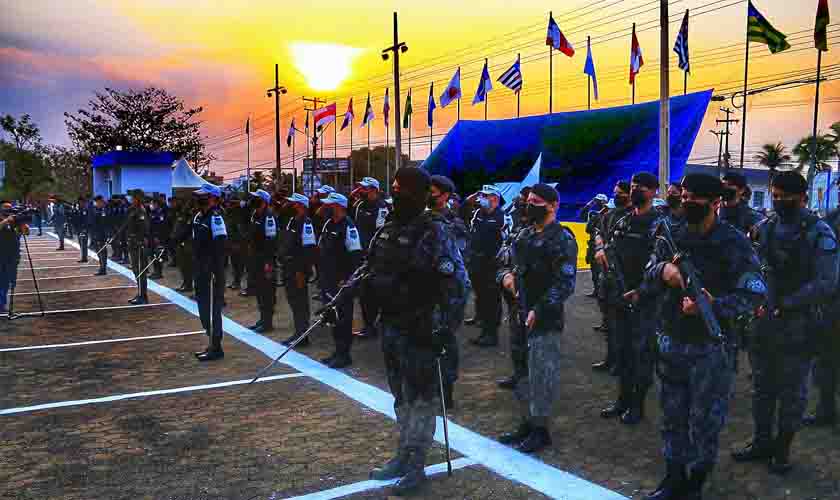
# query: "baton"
x,y
445,424
291,346
154,259
111,239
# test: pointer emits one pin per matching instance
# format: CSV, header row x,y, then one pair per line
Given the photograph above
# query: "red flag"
x,y
325,115
557,39
386,109
636,60
348,116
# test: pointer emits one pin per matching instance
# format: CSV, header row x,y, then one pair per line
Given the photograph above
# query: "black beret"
x,y
790,182
443,183
546,192
623,186
98,197
413,179
736,179
646,179
702,185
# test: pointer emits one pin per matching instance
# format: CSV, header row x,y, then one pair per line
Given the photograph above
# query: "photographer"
x,y
12,225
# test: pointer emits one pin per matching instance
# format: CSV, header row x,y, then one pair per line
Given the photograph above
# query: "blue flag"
x,y
589,69
432,106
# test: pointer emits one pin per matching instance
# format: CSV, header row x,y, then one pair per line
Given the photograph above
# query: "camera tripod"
x,y
12,314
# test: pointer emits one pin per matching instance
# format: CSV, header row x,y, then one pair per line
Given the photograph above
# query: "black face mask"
x,y
621,200
407,207
674,201
433,202
536,213
786,208
695,213
638,198
729,194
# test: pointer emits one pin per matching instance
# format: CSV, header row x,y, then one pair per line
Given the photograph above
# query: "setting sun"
x,y
323,65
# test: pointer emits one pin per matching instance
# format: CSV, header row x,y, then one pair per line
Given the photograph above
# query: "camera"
x,y
21,215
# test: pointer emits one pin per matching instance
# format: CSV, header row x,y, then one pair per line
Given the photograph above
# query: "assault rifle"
x,y
617,275
693,286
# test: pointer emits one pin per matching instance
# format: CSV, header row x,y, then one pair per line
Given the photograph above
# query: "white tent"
x,y
510,190
183,176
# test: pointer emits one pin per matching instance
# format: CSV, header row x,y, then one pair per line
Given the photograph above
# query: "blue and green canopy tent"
x,y
584,152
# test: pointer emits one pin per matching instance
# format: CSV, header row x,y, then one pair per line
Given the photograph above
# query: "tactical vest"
x,y
792,257
634,245
534,258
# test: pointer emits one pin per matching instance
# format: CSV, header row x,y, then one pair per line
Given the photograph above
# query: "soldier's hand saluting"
x,y
672,276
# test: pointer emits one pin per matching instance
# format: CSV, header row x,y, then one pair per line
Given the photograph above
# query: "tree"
x,y
70,169
138,120
25,134
826,150
772,156
26,171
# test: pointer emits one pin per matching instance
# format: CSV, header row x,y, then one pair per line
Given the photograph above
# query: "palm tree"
x,y
826,149
772,156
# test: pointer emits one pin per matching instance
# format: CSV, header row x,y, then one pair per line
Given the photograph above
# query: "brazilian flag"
x,y
760,30
408,111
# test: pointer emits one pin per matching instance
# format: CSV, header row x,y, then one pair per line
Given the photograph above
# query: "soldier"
x,y
542,278
340,253
672,210
697,370
171,215
158,236
236,221
208,239
298,247
369,214
485,241
59,221
735,209
182,237
263,243
138,233
100,229
632,244
82,219
800,254
439,195
411,265
607,300
597,207
828,358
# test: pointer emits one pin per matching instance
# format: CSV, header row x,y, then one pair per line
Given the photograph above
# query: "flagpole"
x,y
816,114
459,97
368,146
431,115
517,92
744,104
550,72
248,157
664,99
351,151
588,80
294,170
633,98
335,138
410,118
685,73
485,94
388,154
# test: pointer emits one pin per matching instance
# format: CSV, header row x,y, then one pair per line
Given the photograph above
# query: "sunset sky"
x,y
220,55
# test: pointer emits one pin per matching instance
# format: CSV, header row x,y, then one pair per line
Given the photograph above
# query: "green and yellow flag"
x,y
760,30
408,110
821,27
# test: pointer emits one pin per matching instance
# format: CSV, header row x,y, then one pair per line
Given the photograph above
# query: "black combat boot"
x,y
538,439
394,468
518,435
214,352
601,366
694,485
340,360
636,412
620,405
415,476
508,382
756,451
256,325
673,484
780,461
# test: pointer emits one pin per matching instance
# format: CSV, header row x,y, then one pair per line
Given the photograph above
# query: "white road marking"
x,y
111,308
351,489
56,267
501,459
134,395
92,342
63,277
16,294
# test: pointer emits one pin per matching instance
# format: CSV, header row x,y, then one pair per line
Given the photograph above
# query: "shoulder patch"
x,y
755,285
446,267
569,270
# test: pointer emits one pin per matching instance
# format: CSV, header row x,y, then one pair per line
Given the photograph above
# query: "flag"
x,y
430,118
306,126
348,116
681,45
369,116
512,78
452,91
386,109
484,86
636,60
248,126
821,27
408,110
556,39
589,69
291,136
760,30
324,116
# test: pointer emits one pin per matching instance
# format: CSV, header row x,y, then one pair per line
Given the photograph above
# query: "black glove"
x,y
328,314
440,339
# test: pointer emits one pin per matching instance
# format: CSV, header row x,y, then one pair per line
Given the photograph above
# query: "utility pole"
x,y
315,105
728,121
719,134
397,48
664,99
277,90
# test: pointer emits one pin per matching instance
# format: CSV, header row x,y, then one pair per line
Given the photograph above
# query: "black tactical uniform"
x,y
369,216
138,232
298,247
263,232
82,220
158,236
485,242
100,230
208,245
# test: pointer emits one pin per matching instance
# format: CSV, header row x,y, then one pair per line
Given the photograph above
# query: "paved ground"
x,y
294,435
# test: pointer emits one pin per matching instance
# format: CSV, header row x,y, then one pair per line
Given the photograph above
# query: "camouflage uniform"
x,y
545,266
696,371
